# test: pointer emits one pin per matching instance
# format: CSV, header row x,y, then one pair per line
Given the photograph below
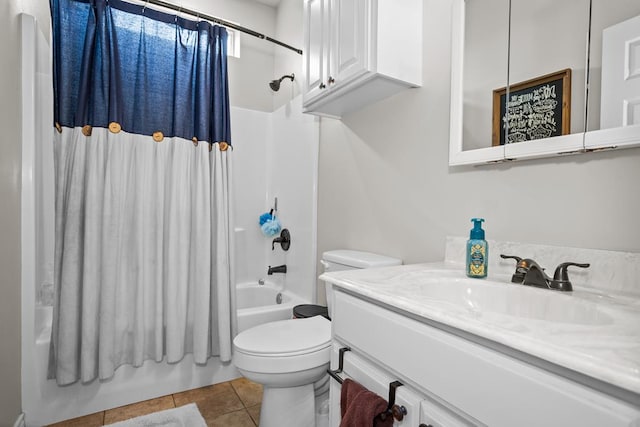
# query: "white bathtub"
x,y
47,403
257,304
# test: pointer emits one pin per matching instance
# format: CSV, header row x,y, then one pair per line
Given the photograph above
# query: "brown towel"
x,y
359,407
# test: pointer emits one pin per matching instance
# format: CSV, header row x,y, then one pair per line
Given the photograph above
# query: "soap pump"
x,y
477,251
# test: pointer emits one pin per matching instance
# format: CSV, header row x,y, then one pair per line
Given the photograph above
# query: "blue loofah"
x,y
267,216
271,227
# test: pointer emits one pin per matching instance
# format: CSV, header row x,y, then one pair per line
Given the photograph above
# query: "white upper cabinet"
x,y
349,42
358,52
316,24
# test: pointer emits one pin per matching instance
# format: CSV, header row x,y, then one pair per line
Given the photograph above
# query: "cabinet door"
x,y
474,382
316,17
350,34
376,379
620,71
433,414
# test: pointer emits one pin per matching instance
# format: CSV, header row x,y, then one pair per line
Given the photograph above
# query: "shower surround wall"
x,y
275,154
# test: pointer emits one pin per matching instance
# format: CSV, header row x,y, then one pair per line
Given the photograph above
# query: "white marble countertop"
x,y
595,334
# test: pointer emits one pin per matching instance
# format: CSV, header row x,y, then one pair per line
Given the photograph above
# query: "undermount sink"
x,y
483,297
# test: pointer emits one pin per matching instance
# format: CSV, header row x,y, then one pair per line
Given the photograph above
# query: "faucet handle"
x,y
518,276
561,280
284,240
561,271
517,258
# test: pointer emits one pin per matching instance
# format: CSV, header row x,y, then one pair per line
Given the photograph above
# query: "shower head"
x,y
275,84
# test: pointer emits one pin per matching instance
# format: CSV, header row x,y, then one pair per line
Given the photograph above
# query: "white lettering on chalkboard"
x,y
530,115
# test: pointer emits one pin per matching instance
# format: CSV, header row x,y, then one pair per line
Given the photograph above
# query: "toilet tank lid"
x,y
359,259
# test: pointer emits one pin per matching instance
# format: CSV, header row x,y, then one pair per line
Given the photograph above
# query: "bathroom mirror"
x,y
614,90
514,44
486,65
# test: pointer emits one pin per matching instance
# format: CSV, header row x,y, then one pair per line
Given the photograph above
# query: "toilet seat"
x,y
284,346
285,337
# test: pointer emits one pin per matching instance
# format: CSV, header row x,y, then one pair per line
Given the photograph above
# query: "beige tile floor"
x,y
232,404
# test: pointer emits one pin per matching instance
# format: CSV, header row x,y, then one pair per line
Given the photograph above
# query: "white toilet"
x,y
290,357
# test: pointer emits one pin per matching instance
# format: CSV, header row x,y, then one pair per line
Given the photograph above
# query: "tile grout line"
x,y
246,408
237,395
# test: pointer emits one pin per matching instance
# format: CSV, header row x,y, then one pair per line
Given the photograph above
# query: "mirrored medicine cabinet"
x,y
543,78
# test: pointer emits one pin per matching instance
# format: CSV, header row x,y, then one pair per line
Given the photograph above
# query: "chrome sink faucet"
x,y
530,273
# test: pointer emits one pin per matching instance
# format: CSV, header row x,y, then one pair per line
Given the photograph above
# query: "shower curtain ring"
x,y
146,3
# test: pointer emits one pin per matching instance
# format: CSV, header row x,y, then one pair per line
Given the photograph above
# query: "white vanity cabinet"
x,y
357,52
460,380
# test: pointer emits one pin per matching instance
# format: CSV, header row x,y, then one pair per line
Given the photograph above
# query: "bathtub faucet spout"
x,y
277,269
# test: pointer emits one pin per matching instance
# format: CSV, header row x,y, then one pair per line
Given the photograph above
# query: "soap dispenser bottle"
x,y
477,251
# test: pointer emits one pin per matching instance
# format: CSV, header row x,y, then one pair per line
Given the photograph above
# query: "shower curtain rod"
x,y
222,22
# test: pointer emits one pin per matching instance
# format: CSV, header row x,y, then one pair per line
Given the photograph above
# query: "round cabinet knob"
x,y
331,80
398,412
322,86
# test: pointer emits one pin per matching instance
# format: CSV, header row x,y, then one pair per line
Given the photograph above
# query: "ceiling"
x,y
272,3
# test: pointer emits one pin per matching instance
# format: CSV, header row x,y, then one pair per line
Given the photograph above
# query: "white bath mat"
x,y
184,416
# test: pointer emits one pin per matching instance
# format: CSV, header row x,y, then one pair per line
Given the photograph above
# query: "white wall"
x,y
275,155
10,178
293,161
385,184
288,30
251,133
279,162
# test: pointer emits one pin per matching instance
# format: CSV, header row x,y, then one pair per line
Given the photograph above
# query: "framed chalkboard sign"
x,y
537,108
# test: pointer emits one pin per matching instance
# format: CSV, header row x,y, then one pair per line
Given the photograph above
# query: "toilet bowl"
x,y
290,358
287,357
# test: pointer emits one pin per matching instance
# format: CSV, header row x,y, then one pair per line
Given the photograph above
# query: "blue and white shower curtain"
x,y
144,233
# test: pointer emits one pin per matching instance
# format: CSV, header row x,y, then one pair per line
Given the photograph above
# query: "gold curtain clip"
x,y
158,136
115,127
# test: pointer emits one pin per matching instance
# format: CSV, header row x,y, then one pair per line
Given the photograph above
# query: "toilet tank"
x,y
344,259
